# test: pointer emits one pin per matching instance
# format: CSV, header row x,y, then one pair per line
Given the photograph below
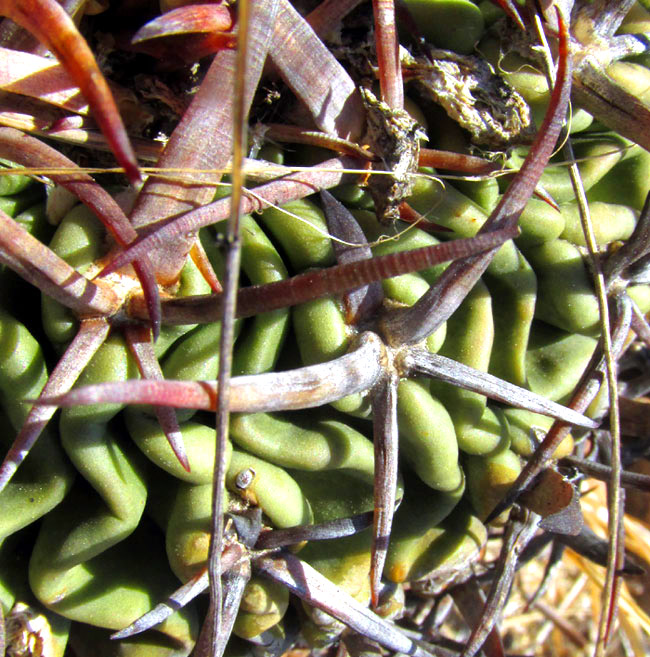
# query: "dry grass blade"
x,y
615,555
222,612
634,622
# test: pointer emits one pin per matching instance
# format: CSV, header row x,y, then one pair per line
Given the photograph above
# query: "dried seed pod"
x,y
528,80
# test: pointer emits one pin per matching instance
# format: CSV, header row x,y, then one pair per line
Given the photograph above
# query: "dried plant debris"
x,y
394,388
605,82
479,100
394,137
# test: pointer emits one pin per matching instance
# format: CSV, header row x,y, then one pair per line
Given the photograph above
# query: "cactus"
x,y
389,382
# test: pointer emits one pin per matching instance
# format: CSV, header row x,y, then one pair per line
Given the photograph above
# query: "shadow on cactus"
x,y
458,346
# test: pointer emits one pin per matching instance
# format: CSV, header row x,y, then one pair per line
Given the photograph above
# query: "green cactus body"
x,y
421,543
263,606
512,281
312,444
539,223
565,295
520,425
469,341
259,349
302,467
272,489
451,24
117,540
555,359
627,183
187,537
346,562
46,477
489,477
